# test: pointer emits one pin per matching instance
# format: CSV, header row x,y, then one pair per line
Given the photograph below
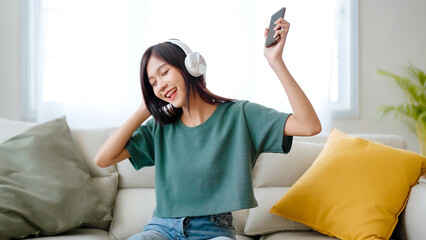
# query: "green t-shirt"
x,y
206,169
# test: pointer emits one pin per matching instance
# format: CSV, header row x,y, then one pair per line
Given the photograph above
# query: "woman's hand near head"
x,y
304,121
113,150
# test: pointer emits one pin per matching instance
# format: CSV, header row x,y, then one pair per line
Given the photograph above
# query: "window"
x,y
344,80
83,56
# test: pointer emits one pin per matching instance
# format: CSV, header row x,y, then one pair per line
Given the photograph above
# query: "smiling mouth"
x,y
171,93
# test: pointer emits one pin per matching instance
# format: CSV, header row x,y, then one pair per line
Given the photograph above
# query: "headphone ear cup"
x,y
168,110
195,64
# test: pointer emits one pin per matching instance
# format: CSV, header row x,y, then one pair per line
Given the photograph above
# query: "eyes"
x,y
154,82
165,72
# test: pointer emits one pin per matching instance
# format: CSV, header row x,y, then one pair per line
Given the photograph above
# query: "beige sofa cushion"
x,y
242,237
133,210
130,178
387,139
271,177
413,218
296,236
145,178
271,169
260,221
240,218
9,128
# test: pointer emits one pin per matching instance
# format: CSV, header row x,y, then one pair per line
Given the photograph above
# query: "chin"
x,y
177,104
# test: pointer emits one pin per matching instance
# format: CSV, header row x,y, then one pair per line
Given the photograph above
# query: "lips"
x,y
171,93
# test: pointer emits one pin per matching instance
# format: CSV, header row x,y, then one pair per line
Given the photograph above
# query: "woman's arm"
x,y
113,150
304,121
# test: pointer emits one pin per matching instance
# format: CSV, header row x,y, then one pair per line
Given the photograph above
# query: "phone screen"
x,y
270,40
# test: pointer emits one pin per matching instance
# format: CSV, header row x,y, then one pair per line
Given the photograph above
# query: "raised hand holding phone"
x,y
304,120
272,37
275,36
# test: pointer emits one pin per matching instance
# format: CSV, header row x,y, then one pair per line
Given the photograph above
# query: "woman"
x,y
203,146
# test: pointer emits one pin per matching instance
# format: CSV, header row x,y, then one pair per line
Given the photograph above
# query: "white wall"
x,y
390,36
10,58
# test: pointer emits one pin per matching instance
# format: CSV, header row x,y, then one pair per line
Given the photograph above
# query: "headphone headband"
x,y
194,62
180,44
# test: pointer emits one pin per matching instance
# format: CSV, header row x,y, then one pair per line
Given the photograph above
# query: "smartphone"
x,y
270,40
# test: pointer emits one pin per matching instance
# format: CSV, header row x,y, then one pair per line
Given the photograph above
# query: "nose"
x,y
162,84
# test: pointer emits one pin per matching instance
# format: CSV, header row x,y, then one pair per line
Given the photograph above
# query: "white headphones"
x,y
194,62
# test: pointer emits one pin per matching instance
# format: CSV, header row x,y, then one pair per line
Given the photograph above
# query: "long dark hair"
x,y
174,56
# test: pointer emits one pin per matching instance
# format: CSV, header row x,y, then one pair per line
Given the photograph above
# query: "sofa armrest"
x,y
413,218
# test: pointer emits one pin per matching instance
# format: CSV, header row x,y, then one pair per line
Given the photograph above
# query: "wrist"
x,y
276,63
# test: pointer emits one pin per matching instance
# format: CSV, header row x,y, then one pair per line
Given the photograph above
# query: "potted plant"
x,y
413,110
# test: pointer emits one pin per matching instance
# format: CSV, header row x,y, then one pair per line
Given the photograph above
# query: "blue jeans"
x,y
216,227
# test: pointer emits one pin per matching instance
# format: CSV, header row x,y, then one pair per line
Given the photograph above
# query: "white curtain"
x,y
91,51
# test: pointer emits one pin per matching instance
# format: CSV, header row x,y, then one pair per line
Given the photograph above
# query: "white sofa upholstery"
x,y
131,194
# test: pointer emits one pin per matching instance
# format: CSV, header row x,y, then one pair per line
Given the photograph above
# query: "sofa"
x,y
130,195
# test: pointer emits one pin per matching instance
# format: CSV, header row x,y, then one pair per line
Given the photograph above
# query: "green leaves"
x,y
414,88
413,110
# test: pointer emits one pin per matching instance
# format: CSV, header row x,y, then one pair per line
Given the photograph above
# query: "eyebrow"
x,y
158,69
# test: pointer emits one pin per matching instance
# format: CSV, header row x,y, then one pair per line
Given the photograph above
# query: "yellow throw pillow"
x,y
355,189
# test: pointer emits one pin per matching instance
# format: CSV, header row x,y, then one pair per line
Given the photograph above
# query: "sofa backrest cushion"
x,y
9,128
260,221
387,139
283,170
130,178
133,210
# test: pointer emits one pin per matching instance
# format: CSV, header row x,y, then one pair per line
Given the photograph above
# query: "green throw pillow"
x,y
45,185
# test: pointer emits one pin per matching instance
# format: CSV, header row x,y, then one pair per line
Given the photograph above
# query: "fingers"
x,y
281,28
281,23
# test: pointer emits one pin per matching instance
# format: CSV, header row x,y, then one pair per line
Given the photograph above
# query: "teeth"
x,y
169,93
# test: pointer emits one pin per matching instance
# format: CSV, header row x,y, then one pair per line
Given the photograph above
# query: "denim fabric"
x,y
191,228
